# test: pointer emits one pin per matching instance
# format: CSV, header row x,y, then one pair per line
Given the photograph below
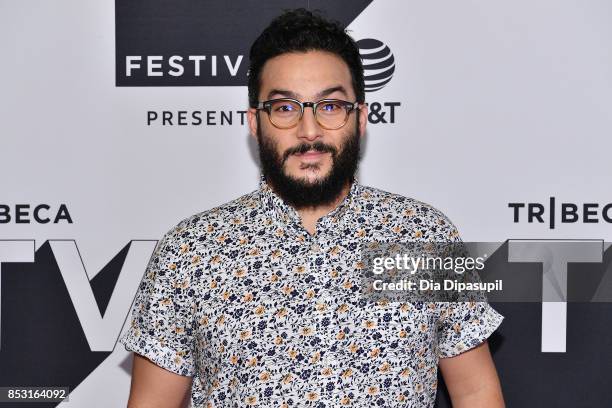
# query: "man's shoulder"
x,y
215,220
407,216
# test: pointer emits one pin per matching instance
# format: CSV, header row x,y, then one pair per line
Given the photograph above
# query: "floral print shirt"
x,y
261,313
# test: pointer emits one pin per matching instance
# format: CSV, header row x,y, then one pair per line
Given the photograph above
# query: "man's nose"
x,y
308,127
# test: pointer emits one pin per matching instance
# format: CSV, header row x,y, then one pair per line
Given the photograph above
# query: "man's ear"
x,y
252,120
363,119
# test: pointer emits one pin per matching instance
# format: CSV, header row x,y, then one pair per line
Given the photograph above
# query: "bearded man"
x,y
257,303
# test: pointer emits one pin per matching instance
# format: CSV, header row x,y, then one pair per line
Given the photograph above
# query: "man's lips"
x,y
311,154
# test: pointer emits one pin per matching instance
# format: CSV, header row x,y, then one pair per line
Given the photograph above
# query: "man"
x,y
257,302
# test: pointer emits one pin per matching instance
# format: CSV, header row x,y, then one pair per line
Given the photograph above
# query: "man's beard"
x,y
299,192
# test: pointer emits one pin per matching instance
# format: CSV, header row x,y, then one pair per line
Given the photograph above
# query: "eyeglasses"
x,y
285,113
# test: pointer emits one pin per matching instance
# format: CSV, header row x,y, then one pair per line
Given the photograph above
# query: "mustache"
x,y
305,147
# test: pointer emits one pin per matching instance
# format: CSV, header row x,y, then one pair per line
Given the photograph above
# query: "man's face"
x,y
307,164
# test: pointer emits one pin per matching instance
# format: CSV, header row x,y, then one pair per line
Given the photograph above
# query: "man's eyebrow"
x,y
325,92
290,94
283,93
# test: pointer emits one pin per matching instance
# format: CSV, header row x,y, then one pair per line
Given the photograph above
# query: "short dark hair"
x,y
301,30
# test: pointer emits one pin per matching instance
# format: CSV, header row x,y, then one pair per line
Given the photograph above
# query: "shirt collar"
x,y
286,215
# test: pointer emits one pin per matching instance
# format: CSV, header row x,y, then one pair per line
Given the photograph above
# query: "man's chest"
x,y
280,300
291,312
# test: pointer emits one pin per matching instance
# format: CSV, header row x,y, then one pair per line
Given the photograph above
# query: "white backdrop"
x,y
500,102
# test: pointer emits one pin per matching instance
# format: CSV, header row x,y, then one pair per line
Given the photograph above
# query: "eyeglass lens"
x,y
287,114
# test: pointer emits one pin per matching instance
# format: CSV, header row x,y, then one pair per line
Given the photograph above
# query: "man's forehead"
x,y
306,74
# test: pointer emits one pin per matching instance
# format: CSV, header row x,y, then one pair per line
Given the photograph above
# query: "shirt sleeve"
x,y
464,325
161,327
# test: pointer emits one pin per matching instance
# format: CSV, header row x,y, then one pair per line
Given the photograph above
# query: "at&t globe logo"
x,y
378,68
378,63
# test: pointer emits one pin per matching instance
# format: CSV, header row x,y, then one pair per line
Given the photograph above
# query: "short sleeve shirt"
x,y
261,313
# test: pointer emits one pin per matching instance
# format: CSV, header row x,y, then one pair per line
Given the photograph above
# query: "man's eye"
x,y
330,107
285,108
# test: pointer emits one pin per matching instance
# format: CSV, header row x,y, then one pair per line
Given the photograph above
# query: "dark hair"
x,y
300,30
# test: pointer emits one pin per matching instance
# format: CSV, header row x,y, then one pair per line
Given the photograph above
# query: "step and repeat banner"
x,y
119,119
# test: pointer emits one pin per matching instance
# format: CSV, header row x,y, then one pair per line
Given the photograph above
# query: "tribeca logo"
x,y
565,213
41,213
82,317
101,328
